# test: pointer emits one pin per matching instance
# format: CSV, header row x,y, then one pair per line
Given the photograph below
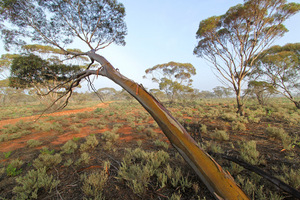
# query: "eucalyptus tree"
x,y
279,66
261,89
174,78
229,41
99,23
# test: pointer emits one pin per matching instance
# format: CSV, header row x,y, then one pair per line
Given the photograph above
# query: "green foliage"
x,y
84,158
94,183
230,40
249,152
90,143
47,160
220,135
45,150
174,78
69,147
290,176
33,143
139,166
109,136
160,143
102,23
279,67
32,182
7,154
12,171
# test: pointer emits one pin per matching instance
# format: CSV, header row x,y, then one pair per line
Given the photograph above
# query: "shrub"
x,y
160,143
90,143
33,143
139,166
220,135
13,168
47,160
69,147
150,133
290,176
109,136
249,153
32,182
94,183
84,158
238,126
203,128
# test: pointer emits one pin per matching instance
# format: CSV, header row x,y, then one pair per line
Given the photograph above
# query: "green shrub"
x,y
33,143
94,183
139,166
290,176
203,128
109,136
90,143
84,158
47,160
238,126
69,147
33,182
249,153
221,135
7,154
160,143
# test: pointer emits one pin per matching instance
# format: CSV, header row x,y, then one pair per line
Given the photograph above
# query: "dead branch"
x,y
280,184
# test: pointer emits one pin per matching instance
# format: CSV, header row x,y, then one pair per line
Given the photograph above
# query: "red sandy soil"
x,y
45,136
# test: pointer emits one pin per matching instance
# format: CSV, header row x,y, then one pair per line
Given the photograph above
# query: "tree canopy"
x,y
229,41
279,66
97,23
173,77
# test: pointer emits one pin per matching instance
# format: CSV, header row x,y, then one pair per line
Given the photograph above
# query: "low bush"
x,y
32,182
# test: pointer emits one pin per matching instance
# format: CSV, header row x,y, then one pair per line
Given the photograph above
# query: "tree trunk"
x,y
219,182
240,105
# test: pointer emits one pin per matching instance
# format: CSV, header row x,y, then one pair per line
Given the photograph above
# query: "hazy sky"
x,y
160,31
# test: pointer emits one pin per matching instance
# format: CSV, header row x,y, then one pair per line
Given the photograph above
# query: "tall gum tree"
x,y
229,41
98,23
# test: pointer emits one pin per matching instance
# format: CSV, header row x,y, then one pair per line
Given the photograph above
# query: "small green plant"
x,y
12,171
45,150
33,143
150,132
7,154
32,182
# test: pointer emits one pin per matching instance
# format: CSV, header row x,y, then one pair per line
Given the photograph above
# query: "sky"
x,y
160,31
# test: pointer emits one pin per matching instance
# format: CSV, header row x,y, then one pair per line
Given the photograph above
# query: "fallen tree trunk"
x,y
219,182
280,184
